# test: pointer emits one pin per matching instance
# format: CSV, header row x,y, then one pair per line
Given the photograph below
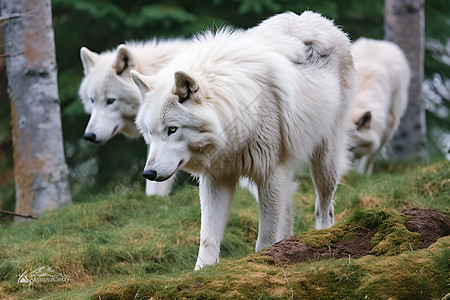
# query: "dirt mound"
x,y
430,224
292,250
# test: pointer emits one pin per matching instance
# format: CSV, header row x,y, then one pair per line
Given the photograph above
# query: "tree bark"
x,y
405,26
40,171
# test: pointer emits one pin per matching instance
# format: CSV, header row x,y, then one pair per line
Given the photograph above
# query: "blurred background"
x,y
103,24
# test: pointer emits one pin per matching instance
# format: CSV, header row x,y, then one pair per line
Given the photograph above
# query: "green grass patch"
x,y
125,245
412,275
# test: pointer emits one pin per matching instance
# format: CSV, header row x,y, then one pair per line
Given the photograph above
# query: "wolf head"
x,y
109,94
177,122
361,142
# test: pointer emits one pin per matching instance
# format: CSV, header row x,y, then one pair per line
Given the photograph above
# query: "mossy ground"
x,y
124,245
391,238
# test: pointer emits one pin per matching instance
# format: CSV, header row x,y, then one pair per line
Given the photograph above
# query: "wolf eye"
x,y
110,101
171,130
92,100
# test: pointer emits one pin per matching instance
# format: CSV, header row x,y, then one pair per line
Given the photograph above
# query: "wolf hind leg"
x,y
287,220
247,184
275,209
327,165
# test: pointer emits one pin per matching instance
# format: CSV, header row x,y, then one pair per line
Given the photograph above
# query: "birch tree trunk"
x,y
405,26
40,171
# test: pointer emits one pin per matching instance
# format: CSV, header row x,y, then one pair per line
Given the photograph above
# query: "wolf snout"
x,y
91,137
150,175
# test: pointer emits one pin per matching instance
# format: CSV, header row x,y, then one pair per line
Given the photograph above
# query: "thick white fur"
x,y
256,104
107,76
381,97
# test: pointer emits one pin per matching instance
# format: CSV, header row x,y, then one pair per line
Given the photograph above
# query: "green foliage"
x,y
437,68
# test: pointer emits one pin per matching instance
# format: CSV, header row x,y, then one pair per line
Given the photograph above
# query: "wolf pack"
x,y
250,107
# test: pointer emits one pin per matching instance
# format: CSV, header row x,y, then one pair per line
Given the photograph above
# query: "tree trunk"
x,y
405,26
40,171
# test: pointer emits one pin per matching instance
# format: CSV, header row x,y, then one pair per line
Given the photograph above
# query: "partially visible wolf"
x,y
111,97
255,104
381,97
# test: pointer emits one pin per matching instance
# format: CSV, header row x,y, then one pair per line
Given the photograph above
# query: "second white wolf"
x,y
381,98
110,96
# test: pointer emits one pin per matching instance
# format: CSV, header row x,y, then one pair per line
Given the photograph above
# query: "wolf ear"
x,y
364,121
144,83
124,60
88,59
186,87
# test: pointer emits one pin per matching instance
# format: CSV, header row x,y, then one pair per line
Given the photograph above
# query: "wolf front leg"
x,y
216,196
365,165
275,213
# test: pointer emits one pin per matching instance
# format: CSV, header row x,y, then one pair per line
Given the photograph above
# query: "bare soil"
x,y
430,224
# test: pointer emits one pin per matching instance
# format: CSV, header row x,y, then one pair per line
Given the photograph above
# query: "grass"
x,y
125,245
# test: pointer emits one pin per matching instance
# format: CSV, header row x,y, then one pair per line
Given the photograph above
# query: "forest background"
x,y
103,24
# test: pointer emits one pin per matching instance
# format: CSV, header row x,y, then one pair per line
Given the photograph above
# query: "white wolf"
x,y
381,97
252,103
111,97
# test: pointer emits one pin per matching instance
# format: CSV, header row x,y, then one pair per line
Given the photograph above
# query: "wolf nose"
x,y
90,136
149,174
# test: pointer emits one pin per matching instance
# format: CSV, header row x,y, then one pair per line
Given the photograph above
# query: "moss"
x,y
370,218
259,258
392,236
412,275
345,230
326,237
117,290
419,274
